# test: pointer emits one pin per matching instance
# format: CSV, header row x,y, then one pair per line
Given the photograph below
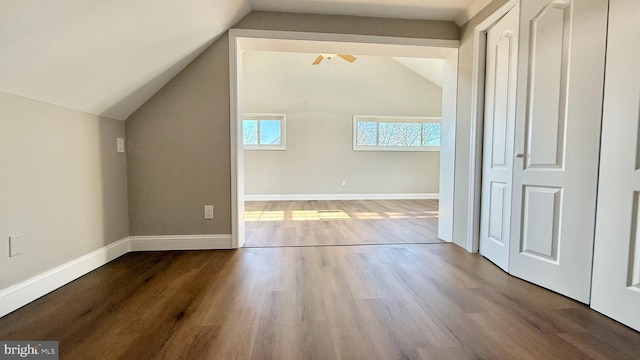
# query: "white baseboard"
x,y
297,197
19,295
179,242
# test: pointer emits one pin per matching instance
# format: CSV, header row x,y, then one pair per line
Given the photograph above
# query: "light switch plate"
x,y
120,144
208,211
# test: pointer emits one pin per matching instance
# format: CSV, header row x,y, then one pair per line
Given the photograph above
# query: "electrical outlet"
x,y
15,246
344,183
208,211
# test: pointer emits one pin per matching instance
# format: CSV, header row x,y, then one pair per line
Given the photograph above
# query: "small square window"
x,y
263,131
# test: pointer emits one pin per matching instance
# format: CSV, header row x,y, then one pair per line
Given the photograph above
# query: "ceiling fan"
x,y
347,57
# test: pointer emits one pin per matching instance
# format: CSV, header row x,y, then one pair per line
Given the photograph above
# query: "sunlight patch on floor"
x,y
368,216
264,216
315,215
310,215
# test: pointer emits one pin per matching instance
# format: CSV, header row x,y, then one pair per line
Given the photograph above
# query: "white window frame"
x,y
405,119
267,116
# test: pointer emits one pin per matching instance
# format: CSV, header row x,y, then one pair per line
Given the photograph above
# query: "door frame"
x,y
235,100
477,123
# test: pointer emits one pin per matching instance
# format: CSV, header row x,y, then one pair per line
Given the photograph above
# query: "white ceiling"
x,y
426,61
430,69
109,57
455,10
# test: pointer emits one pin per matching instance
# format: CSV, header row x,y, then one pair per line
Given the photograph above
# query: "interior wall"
x,y
319,102
63,187
179,151
342,24
463,125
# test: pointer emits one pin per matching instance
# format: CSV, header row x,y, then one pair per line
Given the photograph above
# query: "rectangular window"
x,y
264,131
395,133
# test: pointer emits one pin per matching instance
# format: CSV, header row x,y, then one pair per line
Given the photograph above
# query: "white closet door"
x,y
560,84
616,267
499,122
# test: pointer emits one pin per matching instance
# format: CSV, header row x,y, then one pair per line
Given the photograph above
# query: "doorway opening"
x,y
328,207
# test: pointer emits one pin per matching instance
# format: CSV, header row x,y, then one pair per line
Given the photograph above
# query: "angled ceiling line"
x,y
102,58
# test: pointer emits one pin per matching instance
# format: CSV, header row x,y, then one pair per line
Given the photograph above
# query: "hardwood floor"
x,y
308,223
426,301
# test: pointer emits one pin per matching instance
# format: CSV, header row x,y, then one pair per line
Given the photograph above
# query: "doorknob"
x,y
519,155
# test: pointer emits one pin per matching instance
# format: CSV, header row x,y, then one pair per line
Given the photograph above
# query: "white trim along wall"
x,y
21,294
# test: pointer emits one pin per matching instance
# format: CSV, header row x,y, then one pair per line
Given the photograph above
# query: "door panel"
x,y
499,120
502,146
561,68
541,222
616,266
548,70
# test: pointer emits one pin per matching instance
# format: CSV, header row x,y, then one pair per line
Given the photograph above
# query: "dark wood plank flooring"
x,y
353,222
429,301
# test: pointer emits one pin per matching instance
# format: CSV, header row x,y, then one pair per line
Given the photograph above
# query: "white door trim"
x,y
477,122
235,141
235,88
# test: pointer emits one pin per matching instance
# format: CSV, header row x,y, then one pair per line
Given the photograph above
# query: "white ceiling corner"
x,y
108,57
472,10
430,69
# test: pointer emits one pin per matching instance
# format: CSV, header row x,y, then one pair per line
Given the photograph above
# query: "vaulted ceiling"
x,y
108,57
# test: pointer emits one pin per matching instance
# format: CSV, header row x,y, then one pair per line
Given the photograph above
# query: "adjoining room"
x,y
337,145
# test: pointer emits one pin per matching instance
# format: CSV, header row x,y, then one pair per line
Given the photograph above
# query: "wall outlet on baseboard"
x,y
15,246
344,182
208,211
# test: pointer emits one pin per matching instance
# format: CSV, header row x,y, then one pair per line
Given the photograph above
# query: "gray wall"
x,y
319,102
359,25
179,152
179,139
63,185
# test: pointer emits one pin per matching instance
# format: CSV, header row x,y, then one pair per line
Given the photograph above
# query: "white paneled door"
x,y
559,107
616,267
499,122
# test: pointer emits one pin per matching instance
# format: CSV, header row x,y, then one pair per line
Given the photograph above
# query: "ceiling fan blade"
x,y
349,58
318,60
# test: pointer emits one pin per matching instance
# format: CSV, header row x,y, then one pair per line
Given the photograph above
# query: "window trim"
x,y
406,119
266,116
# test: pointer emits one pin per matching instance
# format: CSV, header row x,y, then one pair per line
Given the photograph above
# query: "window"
x,y
263,131
394,133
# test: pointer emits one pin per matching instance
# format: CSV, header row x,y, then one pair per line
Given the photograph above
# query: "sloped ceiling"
x,y
104,57
430,69
108,57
